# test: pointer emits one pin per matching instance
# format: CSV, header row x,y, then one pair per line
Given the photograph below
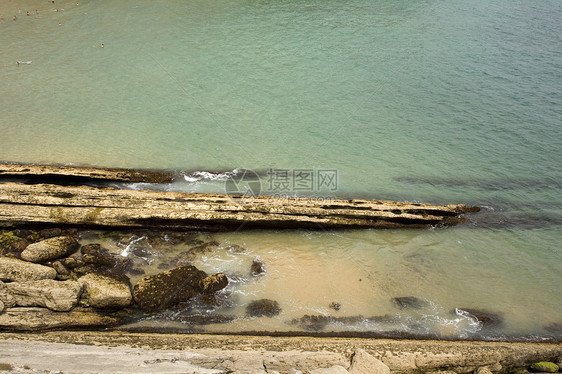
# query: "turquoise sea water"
x,y
430,101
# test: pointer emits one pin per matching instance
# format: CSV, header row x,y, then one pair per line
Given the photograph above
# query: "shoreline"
x,y
267,354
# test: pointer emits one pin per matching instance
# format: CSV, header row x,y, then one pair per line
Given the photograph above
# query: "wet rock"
x,y
409,302
164,290
10,242
34,319
214,283
72,262
49,249
15,270
263,307
257,268
48,293
6,297
94,254
544,367
60,268
487,319
187,257
50,233
335,306
106,293
364,363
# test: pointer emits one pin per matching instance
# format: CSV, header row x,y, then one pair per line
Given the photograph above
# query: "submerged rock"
x,y
94,254
34,319
409,302
207,319
263,307
52,294
545,367
214,283
164,290
257,268
15,270
49,249
187,257
312,322
335,306
487,319
105,292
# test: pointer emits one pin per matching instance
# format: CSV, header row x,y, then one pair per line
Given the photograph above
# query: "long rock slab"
x,y
92,207
65,173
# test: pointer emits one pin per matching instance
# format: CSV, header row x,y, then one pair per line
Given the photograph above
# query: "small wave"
x,y
197,176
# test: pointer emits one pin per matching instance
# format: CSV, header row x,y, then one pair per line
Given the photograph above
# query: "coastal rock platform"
x,y
106,352
47,197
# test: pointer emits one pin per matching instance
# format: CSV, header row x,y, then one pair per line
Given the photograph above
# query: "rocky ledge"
x,y
219,354
58,196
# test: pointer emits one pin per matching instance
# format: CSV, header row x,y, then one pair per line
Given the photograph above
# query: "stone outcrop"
x,y
12,269
72,174
49,249
105,292
167,289
86,206
48,293
35,319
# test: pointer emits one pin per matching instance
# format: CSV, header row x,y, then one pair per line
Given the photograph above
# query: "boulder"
x,y
214,283
49,249
105,292
34,319
15,270
263,307
544,367
52,294
257,268
364,363
167,289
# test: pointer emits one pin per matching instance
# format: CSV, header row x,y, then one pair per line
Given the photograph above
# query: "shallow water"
x,y
430,101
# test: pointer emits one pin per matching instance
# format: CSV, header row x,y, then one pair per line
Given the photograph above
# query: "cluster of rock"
x,y
47,280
